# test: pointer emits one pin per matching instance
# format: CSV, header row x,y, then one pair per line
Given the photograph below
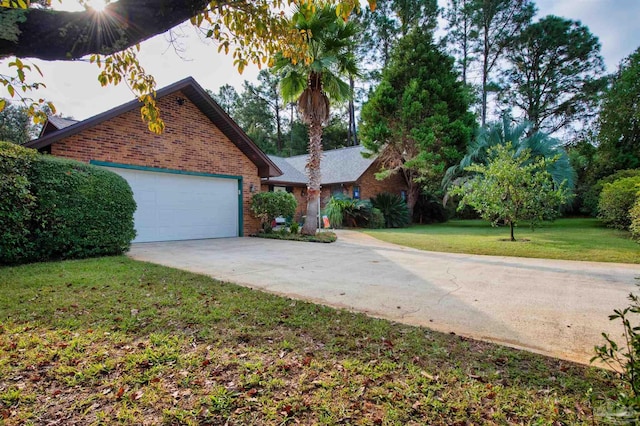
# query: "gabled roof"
x,y
196,94
55,123
343,165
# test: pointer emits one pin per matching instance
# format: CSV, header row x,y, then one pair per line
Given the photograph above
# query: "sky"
x,y
74,89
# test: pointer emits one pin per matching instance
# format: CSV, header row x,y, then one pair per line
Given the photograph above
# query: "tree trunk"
x,y
511,226
313,170
352,136
485,75
413,192
279,143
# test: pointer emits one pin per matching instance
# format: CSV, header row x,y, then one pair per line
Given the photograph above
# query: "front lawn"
x,y
570,239
115,341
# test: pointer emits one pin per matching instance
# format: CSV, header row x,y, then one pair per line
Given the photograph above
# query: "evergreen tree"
x,y
619,121
555,74
417,120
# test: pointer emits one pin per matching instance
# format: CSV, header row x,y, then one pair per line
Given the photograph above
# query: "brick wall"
x,y
190,142
370,186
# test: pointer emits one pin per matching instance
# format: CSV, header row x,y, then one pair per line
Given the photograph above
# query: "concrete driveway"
x,y
557,308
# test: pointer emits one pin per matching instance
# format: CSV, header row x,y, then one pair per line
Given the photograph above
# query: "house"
x,y
193,181
343,171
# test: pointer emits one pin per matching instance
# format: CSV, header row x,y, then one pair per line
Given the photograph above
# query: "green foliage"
x,y
53,208
634,215
555,73
82,210
266,206
616,200
377,219
429,209
592,195
619,137
512,188
318,237
393,208
521,139
294,228
335,209
17,201
418,118
355,213
16,125
625,360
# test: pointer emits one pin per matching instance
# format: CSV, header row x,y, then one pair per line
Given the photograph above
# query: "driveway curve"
x,y
554,307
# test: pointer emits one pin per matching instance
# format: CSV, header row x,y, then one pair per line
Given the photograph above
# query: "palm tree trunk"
x,y
313,169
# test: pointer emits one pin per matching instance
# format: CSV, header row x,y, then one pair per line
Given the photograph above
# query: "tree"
x,y
254,29
461,33
317,81
619,121
539,145
417,120
268,92
385,26
512,187
555,74
227,97
16,125
496,22
256,119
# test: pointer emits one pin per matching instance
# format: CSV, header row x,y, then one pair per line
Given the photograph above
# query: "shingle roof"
x,y
60,122
343,165
196,94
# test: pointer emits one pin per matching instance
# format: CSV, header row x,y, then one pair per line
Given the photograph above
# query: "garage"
x,y
194,180
174,205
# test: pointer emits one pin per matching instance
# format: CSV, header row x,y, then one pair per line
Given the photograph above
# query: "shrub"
x,y
64,208
634,215
616,200
294,228
592,195
394,209
16,202
82,210
266,206
377,219
429,209
335,209
624,359
356,213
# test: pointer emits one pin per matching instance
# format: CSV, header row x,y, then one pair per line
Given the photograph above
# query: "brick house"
x,y
344,171
195,180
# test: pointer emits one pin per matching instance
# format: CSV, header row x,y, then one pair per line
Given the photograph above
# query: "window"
x,y
356,192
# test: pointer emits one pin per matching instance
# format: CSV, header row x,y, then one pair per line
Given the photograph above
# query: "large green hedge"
x,y
65,209
591,197
616,200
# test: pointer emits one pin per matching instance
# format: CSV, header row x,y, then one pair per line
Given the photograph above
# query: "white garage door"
x,y
182,207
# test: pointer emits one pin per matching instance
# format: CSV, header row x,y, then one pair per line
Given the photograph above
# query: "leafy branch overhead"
x,y
252,30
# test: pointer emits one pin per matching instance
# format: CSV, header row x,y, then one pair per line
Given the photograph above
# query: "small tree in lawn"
x,y
512,188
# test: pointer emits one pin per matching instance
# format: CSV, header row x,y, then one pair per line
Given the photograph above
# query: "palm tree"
x,y
539,144
316,81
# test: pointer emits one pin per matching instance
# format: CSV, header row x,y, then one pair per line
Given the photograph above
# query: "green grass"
x,y
115,341
570,239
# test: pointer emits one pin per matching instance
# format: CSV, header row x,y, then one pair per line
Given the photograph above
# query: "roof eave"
x,y
197,95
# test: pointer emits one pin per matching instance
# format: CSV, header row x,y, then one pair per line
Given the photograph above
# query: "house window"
x,y
279,188
356,192
403,195
336,190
